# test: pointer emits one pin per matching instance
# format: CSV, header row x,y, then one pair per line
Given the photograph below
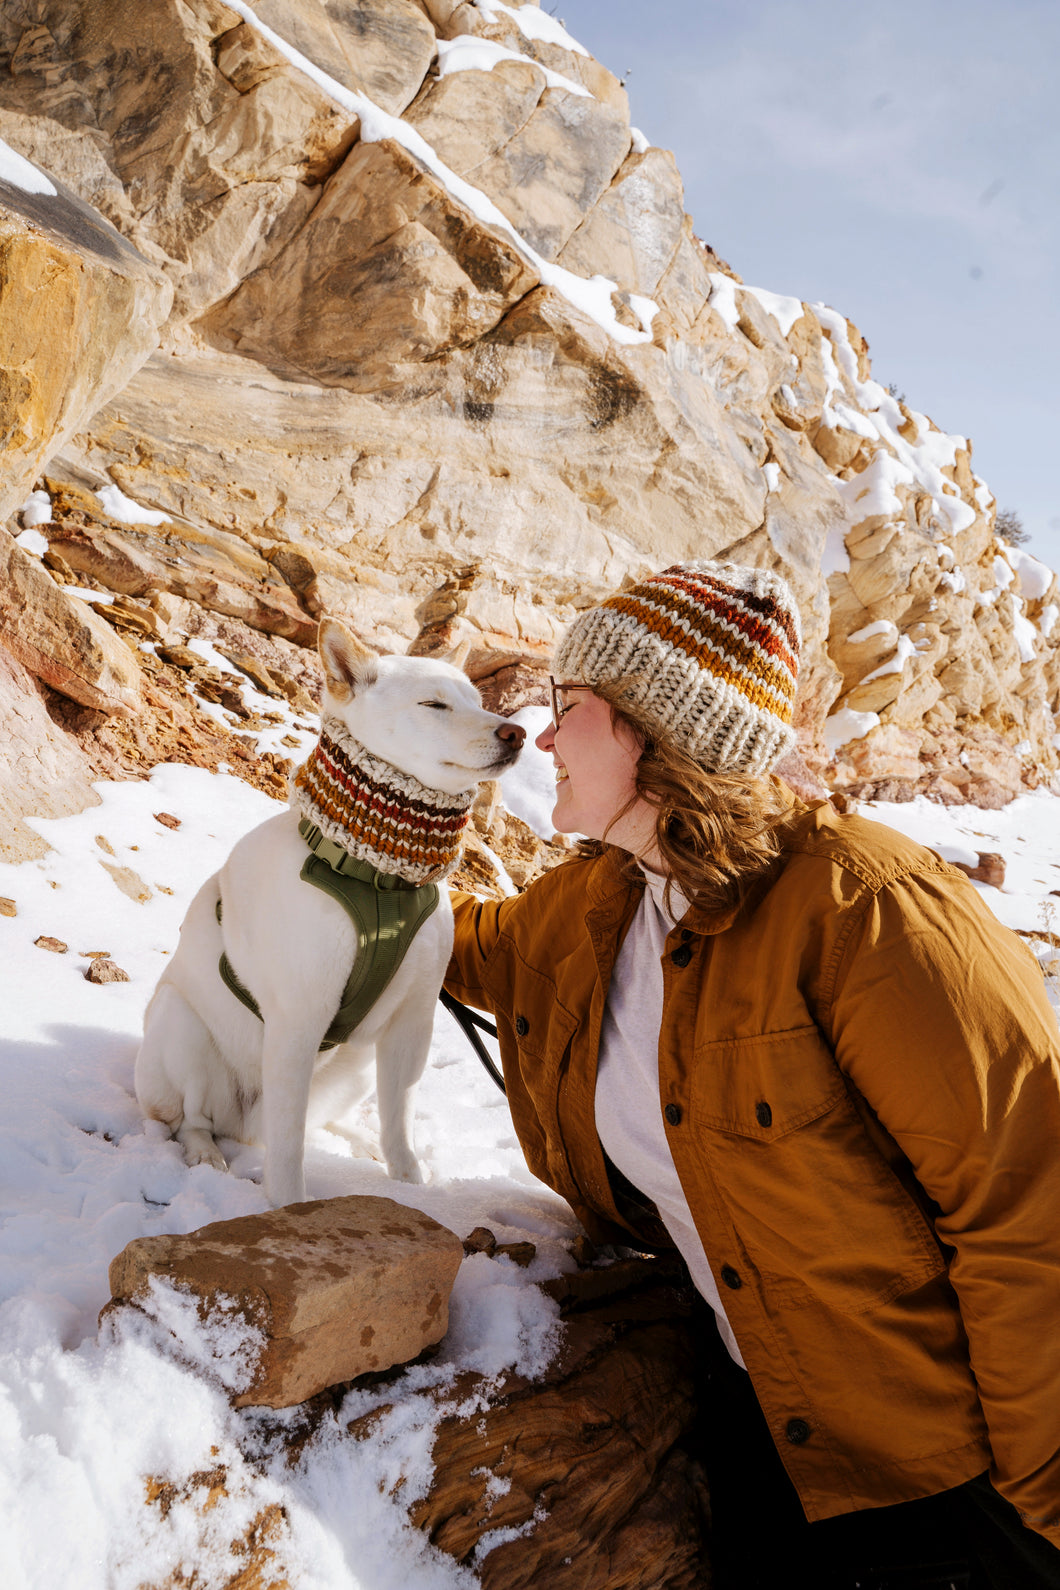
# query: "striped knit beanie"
x,y
706,653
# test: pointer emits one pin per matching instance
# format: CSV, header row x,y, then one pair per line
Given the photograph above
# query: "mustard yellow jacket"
x,y
859,1074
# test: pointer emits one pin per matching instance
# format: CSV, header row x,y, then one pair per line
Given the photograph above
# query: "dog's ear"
x,y
459,654
349,665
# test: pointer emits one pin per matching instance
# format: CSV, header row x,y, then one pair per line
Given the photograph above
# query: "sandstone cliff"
x,y
433,346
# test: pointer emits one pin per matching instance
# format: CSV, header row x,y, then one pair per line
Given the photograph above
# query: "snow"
x,y
904,649
723,298
1048,618
785,310
33,542
835,559
846,725
882,626
466,53
772,473
116,505
1034,577
87,1419
21,173
1024,632
529,790
532,22
640,144
592,297
37,509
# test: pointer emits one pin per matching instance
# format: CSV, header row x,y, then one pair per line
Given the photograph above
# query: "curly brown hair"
x,y
716,832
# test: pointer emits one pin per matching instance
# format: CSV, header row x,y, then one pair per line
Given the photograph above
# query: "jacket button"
x,y
672,1113
682,955
732,1279
763,1114
522,1026
797,1431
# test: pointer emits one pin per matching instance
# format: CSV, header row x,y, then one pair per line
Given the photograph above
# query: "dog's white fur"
x,y
207,1066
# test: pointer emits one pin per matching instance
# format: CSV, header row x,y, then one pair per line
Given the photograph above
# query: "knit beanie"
x,y
706,653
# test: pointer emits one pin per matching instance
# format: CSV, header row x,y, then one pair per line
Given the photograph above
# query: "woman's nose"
x,y
545,739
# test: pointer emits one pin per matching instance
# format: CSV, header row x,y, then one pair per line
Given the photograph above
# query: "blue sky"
x,y
900,162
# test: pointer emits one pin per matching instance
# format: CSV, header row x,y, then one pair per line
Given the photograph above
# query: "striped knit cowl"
x,y
378,813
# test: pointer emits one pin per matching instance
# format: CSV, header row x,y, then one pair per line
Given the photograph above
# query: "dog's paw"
x,y
200,1148
408,1170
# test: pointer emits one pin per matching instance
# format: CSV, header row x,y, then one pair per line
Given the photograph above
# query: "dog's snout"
x,y
513,733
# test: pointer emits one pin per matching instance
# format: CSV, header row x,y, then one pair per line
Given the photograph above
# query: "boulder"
x,y
60,639
337,1288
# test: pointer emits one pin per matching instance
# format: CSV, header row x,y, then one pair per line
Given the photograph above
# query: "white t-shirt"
x,y
628,1107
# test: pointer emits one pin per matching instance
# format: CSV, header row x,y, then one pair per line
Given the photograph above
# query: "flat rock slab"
x,y
338,1288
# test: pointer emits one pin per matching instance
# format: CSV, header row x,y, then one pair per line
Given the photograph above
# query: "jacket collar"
x,y
615,890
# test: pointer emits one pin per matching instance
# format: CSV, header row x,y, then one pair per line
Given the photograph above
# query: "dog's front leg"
x,y
287,1062
401,1055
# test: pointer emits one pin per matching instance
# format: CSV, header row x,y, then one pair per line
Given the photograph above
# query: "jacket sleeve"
x,y
940,1018
476,928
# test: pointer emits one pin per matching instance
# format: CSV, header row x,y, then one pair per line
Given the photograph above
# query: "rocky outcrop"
x,y
446,355
583,1478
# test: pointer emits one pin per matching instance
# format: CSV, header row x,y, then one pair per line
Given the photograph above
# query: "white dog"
x,y
211,1067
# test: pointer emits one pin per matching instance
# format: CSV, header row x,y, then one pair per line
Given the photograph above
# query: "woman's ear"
x,y
349,665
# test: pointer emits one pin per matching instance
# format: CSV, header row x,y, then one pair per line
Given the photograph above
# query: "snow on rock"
x,y
466,53
592,296
116,505
845,725
532,22
784,309
37,509
1033,576
882,626
21,173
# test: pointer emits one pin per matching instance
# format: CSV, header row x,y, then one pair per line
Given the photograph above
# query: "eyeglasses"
x,y
559,705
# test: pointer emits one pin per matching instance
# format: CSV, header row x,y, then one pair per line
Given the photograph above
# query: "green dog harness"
x,y
386,913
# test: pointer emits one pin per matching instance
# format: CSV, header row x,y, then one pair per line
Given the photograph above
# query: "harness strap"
x,y
386,911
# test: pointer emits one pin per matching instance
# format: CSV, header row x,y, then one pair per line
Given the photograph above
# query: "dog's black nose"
x,y
513,733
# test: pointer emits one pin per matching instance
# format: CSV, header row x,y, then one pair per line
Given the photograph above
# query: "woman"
x,y
797,1046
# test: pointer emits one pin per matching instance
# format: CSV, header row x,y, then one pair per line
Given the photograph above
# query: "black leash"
x,y
469,1020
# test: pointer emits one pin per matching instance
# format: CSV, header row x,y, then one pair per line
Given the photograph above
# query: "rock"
x,y
104,970
7,906
80,310
167,819
129,882
610,1410
480,1240
636,224
991,869
55,945
43,770
521,1253
555,167
388,269
60,639
339,1288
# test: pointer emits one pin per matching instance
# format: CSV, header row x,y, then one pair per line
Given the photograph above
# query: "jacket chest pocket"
x,y
822,1214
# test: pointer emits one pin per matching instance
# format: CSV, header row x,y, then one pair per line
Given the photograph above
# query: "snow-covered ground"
x,y
86,1421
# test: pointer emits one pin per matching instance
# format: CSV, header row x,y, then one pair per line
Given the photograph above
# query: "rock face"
x,y
393,387
337,1289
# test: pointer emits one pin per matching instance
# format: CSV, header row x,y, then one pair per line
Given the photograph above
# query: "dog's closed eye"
x,y
437,706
